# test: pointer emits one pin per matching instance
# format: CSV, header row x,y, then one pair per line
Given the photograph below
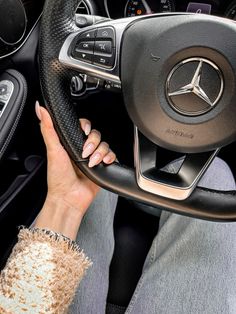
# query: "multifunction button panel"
x,y
6,90
96,46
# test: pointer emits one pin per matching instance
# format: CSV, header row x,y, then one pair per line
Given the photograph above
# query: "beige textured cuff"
x,y
42,273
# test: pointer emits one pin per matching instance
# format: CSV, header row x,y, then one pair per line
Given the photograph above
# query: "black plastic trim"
x,y
11,116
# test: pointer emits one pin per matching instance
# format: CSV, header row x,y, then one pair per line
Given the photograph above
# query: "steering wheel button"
x,y
4,97
105,33
104,60
103,47
85,46
88,34
86,57
6,90
3,89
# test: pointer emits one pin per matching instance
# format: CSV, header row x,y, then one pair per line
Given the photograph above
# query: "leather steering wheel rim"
x,y
57,24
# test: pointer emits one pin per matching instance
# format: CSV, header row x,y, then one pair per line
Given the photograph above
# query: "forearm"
x,y
59,216
41,275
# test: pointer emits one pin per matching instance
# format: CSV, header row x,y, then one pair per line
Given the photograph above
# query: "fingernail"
x,y
88,150
38,110
94,160
87,129
107,159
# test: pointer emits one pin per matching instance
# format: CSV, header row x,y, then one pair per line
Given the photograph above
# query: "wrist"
x,y
59,216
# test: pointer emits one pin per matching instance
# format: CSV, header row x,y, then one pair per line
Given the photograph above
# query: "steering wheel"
x,y
177,74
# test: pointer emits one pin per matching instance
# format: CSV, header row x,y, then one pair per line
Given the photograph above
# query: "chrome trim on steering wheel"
x,y
155,181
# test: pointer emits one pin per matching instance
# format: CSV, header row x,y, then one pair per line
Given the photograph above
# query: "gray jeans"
x,y
190,268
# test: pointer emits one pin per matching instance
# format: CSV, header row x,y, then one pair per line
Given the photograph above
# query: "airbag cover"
x,y
190,49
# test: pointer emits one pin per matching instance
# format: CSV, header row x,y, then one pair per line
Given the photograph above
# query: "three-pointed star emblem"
x,y
194,87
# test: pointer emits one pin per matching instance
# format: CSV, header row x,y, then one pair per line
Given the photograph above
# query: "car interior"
x,y
104,50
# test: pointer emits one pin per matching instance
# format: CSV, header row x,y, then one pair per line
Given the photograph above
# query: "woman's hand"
x,y
69,192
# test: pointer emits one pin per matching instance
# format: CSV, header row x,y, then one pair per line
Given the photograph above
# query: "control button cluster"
x,y
96,46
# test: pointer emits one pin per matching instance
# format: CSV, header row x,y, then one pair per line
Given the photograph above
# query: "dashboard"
x,y
129,8
21,18
23,14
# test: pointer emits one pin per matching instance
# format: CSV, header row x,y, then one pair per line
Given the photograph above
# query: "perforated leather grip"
x,y
57,23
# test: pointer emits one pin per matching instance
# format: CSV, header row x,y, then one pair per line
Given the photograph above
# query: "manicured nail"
x,y
88,150
94,160
107,159
38,110
87,129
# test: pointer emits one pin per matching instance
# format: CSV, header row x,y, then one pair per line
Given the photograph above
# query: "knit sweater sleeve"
x,y
42,274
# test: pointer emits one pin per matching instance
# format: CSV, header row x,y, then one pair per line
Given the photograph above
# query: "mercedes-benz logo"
x,y
194,86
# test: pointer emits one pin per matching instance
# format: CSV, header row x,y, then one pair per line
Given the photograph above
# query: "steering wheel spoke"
x,y
178,185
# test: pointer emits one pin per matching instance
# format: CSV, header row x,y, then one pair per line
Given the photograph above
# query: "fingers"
x,y
91,143
99,154
49,134
97,150
93,147
102,153
109,158
86,126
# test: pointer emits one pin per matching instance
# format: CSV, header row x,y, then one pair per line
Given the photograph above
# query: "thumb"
x,y
50,136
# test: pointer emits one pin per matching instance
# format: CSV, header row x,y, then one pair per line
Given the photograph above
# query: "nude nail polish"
x,y
38,110
94,160
88,150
